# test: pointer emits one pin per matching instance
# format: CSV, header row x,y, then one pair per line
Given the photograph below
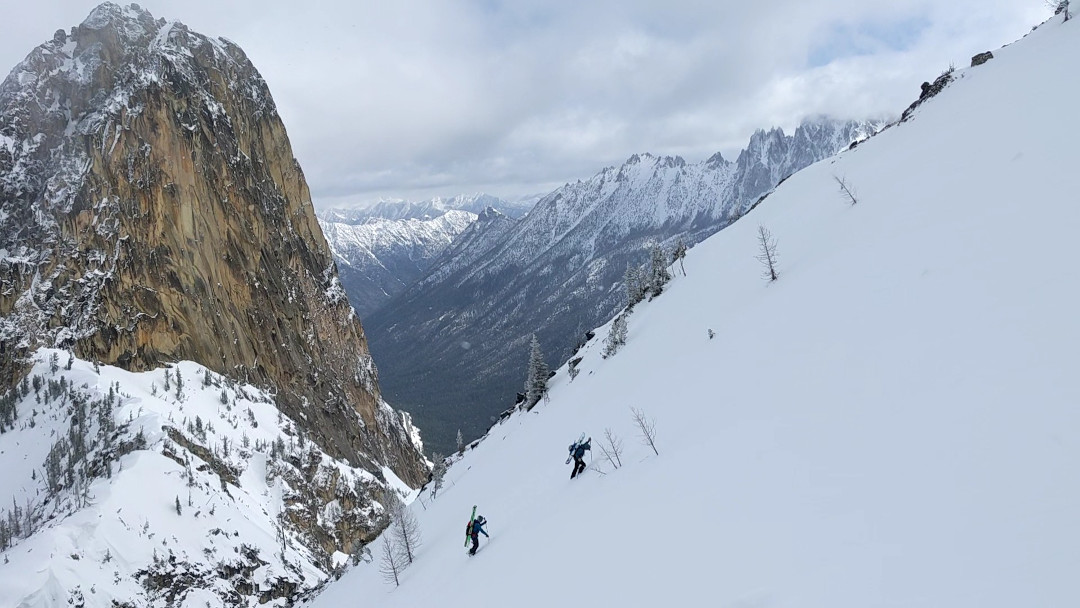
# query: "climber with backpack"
x,y
577,452
473,530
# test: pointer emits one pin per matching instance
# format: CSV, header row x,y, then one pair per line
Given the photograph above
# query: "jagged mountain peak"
x,y
489,214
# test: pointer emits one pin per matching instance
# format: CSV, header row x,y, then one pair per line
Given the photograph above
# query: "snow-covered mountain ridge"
x,y
892,422
400,209
384,248
557,272
380,257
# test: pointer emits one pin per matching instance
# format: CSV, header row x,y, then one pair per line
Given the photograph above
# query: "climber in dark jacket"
x,y
577,452
475,530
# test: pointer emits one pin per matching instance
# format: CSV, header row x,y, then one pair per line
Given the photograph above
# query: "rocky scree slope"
x,y
151,210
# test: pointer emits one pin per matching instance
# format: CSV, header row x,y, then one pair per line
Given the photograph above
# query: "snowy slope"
x,y
558,272
263,514
891,423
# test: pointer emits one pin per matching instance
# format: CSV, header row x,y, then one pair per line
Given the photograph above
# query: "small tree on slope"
x,y
635,285
679,254
537,375
767,253
403,527
438,473
658,272
390,560
616,337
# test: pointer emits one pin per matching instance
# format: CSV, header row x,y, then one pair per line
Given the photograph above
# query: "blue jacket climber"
x,y
577,452
476,528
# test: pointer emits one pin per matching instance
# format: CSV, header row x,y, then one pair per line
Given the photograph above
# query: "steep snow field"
x,y
893,423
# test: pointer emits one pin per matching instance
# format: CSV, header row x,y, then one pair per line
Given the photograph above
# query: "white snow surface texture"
x,y
892,423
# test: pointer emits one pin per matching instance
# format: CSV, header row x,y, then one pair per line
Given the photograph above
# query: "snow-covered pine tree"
x,y
537,376
658,272
635,285
678,254
438,473
460,442
616,337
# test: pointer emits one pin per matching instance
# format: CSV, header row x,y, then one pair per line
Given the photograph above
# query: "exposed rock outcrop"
x,y
151,210
981,58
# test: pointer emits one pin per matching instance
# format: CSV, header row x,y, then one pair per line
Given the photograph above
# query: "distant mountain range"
x,y
452,347
383,248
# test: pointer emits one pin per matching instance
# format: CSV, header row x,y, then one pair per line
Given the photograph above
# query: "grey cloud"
x,y
426,97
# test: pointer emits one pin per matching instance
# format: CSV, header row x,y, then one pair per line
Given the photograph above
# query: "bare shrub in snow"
x,y
572,368
846,190
404,528
647,427
391,561
611,448
767,253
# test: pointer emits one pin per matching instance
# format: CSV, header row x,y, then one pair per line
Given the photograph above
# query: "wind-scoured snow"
x,y
893,422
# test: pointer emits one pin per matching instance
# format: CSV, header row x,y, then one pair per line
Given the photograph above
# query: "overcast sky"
x,y
417,98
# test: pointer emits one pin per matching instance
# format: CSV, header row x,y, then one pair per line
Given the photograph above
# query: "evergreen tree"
x,y
537,376
635,285
678,254
438,473
616,337
460,442
658,272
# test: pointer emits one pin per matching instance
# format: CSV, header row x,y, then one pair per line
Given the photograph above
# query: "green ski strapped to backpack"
x,y
468,527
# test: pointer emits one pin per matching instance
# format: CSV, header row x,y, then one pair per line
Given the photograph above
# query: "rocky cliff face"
x,y
151,210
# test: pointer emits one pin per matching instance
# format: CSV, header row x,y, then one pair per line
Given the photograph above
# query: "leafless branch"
x,y
612,451
647,428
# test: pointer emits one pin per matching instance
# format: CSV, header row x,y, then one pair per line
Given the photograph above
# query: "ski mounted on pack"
x,y
468,528
579,441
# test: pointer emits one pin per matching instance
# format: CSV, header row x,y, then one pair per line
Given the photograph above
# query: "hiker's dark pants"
x,y
579,466
475,544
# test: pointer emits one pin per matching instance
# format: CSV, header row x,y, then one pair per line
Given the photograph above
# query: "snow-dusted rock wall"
x,y
151,210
